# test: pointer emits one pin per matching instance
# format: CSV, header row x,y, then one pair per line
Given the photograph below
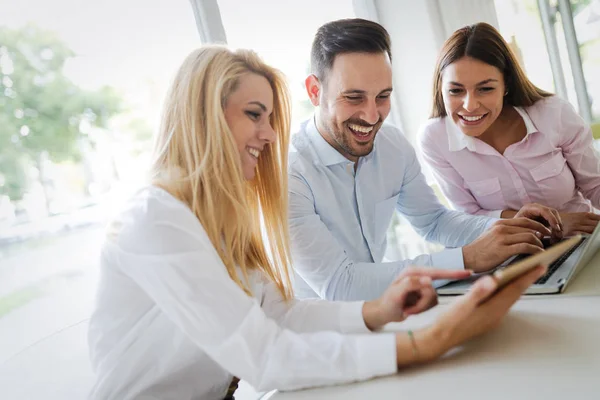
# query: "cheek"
x,y
384,109
242,133
451,104
495,104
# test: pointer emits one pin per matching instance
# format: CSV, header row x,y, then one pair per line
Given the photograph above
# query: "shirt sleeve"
x,y
324,265
578,149
419,204
313,315
181,272
450,181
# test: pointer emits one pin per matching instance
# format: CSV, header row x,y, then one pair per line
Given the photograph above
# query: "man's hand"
x,y
506,238
410,293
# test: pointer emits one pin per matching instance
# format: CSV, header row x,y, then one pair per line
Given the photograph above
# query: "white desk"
x,y
547,348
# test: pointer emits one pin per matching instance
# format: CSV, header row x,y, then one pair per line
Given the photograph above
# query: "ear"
x,y
313,88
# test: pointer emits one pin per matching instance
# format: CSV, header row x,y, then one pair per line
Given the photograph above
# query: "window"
x,y
81,87
558,44
282,33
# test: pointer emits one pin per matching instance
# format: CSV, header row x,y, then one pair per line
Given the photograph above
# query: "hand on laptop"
x,y
506,238
579,222
410,293
546,215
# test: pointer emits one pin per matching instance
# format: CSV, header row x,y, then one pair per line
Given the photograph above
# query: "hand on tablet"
x,y
410,293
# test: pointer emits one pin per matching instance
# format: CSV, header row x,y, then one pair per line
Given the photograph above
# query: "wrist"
x,y
418,347
468,256
372,315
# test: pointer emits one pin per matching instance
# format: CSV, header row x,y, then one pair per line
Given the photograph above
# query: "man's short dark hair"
x,y
354,35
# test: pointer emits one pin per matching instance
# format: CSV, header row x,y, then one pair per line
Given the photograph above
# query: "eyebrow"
x,y
358,91
258,103
478,84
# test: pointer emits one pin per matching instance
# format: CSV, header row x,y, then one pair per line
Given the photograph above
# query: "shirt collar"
x,y
327,154
458,140
529,125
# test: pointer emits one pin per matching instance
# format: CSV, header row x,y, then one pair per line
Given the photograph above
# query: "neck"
x,y
330,139
509,128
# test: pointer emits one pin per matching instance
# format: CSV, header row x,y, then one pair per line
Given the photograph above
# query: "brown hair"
x,y
343,36
483,42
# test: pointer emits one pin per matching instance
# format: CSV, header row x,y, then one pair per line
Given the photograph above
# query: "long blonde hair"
x,y
197,161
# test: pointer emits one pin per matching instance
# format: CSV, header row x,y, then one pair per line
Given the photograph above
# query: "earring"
x,y
506,93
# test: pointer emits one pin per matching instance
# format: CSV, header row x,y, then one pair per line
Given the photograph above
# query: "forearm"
x,y
367,281
425,346
455,229
322,315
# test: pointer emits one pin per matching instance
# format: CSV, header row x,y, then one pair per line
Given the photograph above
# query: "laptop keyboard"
x,y
557,263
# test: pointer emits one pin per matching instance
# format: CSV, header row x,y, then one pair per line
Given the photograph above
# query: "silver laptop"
x,y
560,272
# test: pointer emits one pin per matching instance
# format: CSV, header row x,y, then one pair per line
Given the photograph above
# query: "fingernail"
x,y
489,284
538,234
558,228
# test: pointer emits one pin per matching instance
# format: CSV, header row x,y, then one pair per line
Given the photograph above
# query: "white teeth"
x,y
254,152
359,128
472,119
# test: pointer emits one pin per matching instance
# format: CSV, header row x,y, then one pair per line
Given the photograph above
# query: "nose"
x,y
370,112
268,134
470,102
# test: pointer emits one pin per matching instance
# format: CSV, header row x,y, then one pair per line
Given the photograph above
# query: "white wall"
x,y
418,29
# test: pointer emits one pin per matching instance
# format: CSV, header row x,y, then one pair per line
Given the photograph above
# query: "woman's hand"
x,y
471,315
546,215
579,222
410,293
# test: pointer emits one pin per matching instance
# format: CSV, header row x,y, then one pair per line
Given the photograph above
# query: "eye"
x,y
353,98
454,91
254,116
486,89
384,96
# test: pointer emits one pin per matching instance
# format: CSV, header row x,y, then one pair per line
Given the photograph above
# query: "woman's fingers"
x,y
427,299
467,303
509,294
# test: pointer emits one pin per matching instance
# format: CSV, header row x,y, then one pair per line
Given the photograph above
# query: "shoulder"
x,y
431,132
302,155
151,220
392,146
555,114
551,108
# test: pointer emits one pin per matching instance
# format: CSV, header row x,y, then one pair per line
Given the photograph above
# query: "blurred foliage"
x,y
41,110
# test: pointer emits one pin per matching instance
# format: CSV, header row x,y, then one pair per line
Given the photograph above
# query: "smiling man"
x,y
349,172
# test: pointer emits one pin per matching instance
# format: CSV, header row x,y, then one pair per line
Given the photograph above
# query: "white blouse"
x,y
169,322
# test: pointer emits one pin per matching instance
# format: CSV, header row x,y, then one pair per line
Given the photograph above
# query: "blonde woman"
x,y
190,295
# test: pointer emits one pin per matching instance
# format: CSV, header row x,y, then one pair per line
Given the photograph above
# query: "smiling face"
x,y
473,94
354,101
247,113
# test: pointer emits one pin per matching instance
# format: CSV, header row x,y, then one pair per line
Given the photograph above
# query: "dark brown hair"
x,y
354,35
483,42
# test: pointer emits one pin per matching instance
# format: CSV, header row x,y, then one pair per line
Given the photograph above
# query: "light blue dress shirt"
x,y
339,217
